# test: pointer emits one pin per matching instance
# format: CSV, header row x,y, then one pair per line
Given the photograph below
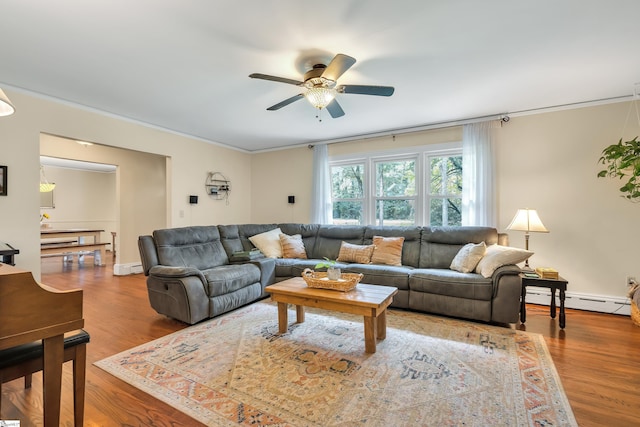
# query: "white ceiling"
x,y
184,65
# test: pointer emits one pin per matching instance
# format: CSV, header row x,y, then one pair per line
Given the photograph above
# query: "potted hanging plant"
x,y
622,161
333,272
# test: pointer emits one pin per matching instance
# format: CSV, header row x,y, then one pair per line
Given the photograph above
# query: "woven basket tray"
x,y
316,279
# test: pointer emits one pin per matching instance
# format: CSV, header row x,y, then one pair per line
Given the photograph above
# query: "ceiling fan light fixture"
x,y
45,186
320,96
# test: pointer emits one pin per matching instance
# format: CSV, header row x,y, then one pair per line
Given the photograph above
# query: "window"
x,y
444,194
347,189
395,195
413,188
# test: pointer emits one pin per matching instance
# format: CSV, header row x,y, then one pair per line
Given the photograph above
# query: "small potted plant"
x,y
333,272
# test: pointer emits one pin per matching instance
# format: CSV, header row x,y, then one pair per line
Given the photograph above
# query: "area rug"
x,y
429,371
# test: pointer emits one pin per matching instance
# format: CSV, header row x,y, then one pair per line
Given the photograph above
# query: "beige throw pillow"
x,y
268,243
468,257
292,246
388,250
497,256
355,253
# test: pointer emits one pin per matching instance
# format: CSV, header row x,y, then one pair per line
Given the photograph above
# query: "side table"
x,y
559,284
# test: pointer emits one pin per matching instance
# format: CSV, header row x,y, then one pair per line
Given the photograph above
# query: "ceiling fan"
x,y
322,88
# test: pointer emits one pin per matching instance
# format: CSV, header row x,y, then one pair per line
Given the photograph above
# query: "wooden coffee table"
x,y
370,301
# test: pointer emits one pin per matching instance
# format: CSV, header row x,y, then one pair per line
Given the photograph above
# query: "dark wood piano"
x,y
30,311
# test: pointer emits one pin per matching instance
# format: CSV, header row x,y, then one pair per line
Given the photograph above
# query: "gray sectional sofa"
x,y
191,277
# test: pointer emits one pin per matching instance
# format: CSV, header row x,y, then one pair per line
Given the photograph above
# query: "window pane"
x,y
347,181
446,175
396,178
347,213
454,211
395,212
435,212
446,211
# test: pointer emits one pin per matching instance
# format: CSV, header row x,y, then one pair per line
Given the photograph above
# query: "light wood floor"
x,y
597,357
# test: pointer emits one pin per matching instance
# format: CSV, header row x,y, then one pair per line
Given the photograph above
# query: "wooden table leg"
x,y
523,304
562,315
552,309
381,326
369,334
299,313
79,375
52,379
282,317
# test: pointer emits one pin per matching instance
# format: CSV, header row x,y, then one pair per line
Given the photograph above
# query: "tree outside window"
x,y
395,195
445,190
347,188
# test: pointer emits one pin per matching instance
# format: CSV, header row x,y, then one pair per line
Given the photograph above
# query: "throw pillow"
x,y
268,243
292,246
355,253
468,257
387,250
497,256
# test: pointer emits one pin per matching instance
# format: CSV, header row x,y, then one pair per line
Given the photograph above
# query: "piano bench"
x,y
27,359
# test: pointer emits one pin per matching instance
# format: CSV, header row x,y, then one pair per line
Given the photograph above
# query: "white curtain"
x,y
321,208
478,182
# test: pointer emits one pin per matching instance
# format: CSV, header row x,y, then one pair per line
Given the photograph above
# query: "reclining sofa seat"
x,y
190,277
424,281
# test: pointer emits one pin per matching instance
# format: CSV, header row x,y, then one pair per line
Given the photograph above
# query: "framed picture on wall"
x,y
3,180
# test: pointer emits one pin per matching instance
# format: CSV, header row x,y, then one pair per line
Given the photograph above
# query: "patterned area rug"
x,y
429,371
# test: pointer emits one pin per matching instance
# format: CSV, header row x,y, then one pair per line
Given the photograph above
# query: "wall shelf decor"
x,y
217,186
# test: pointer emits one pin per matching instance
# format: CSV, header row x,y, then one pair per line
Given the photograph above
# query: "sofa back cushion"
x,y
410,246
236,237
440,245
197,246
309,233
330,238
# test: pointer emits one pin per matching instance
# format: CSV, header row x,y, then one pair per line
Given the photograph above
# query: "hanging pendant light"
x,y
45,186
6,107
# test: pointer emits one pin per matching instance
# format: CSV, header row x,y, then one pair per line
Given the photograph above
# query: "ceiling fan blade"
x,y
366,90
286,102
338,65
335,109
275,79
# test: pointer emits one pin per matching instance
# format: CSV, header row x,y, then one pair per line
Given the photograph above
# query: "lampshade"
x,y
527,220
320,96
6,107
45,186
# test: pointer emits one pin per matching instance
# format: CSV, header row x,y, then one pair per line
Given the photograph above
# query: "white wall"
x,y
82,199
547,162
188,161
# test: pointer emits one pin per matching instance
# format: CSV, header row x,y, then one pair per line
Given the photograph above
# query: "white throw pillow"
x,y
268,243
468,257
497,256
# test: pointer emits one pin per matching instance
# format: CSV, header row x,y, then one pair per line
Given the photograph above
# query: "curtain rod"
x,y
504,117
440,125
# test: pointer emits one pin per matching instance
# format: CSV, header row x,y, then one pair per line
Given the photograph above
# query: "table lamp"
x,y
527,220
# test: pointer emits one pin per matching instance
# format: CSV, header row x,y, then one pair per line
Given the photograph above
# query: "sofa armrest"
x,y
267,268
179,292
507,288
176,272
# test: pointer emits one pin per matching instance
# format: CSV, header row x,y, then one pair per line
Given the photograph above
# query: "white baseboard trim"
x,y
126,269
590,302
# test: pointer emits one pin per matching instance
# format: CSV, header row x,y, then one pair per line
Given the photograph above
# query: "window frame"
x,y
420,154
